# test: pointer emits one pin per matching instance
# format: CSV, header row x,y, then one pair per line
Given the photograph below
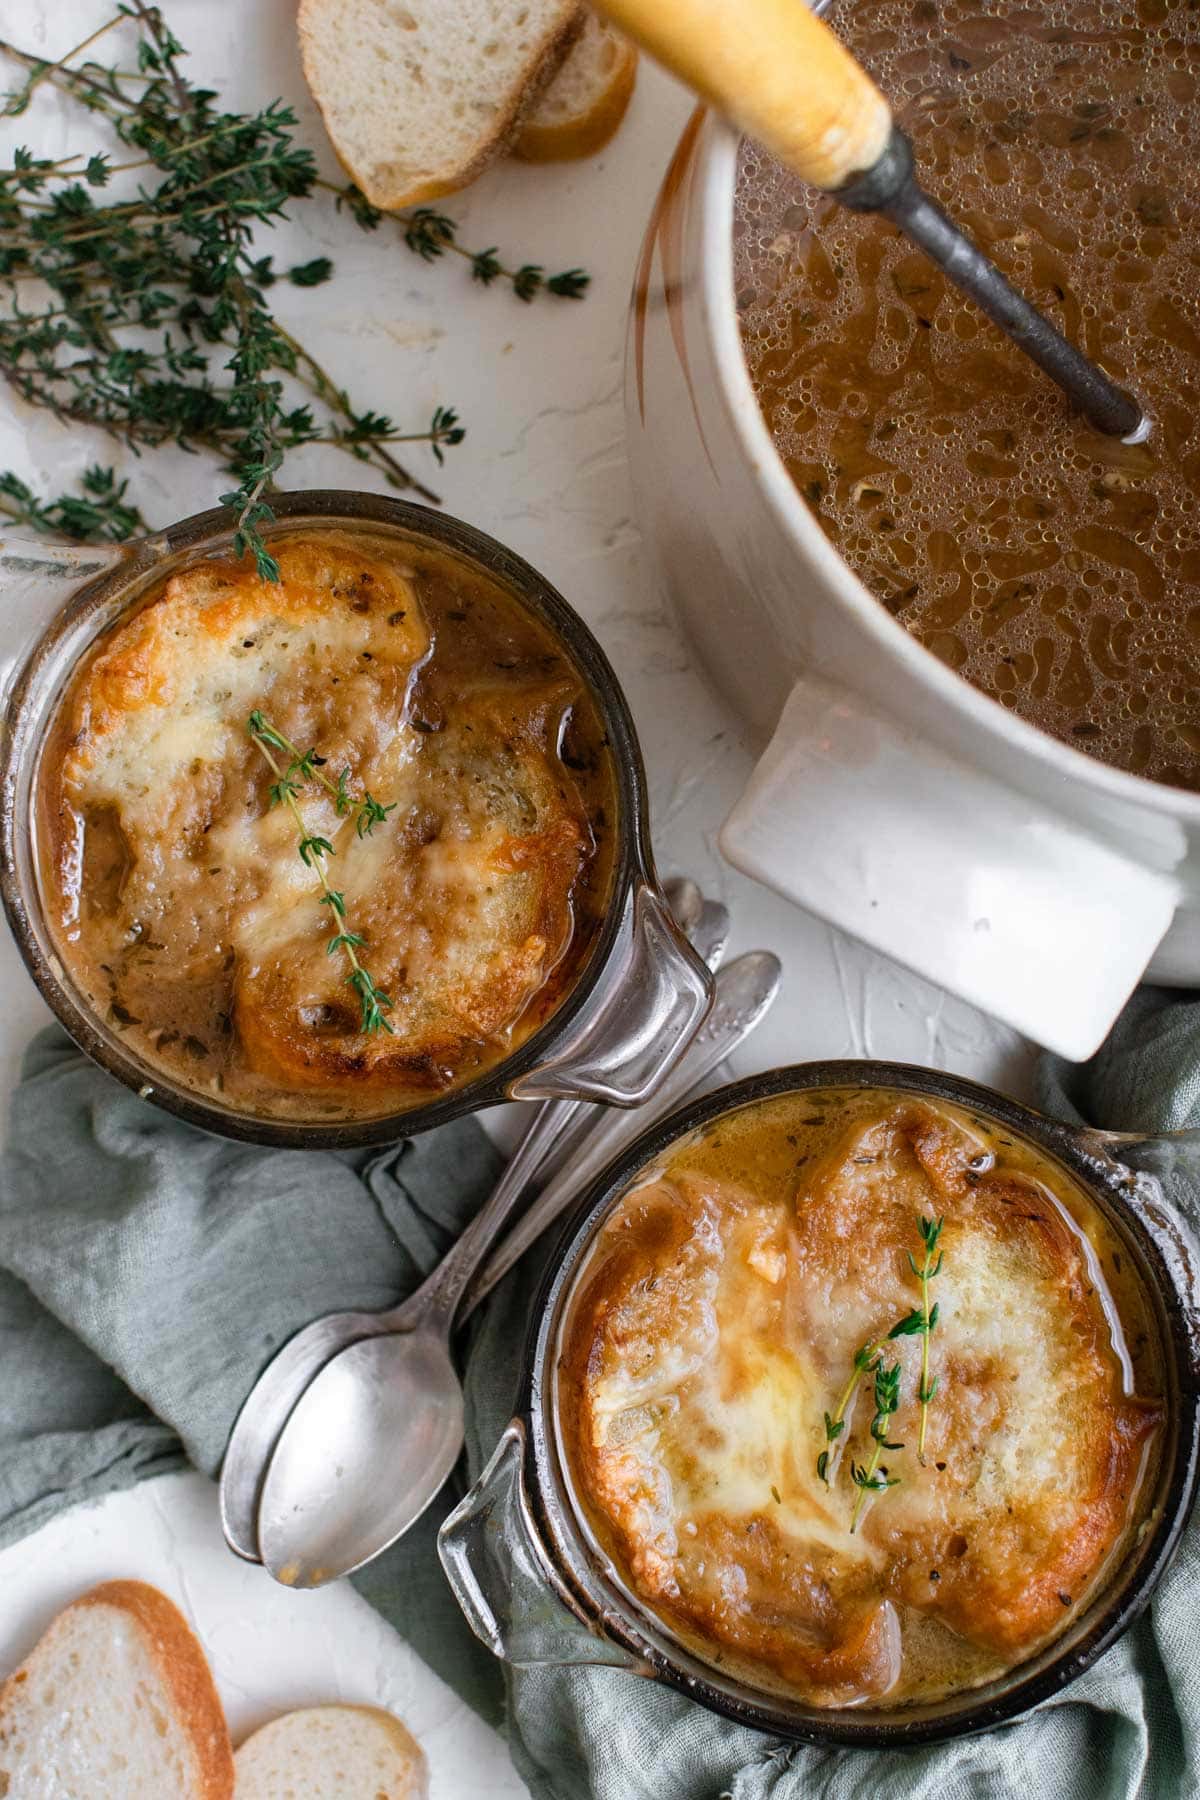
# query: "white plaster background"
x,y
543,468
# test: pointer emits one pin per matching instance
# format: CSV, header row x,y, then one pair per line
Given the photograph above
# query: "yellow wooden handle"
x,y
776,70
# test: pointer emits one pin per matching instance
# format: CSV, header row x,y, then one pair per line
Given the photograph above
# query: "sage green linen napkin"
x,y
147,1272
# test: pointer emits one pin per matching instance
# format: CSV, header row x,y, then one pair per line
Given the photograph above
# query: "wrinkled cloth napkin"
x,y
148,1272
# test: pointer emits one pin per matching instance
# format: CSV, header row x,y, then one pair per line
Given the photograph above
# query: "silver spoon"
x,y
375,1436
554,1129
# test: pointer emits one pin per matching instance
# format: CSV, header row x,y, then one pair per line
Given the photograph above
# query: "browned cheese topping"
x,y
1054,568
183,909
714,1326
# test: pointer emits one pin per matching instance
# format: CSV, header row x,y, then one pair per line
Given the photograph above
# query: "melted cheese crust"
x,y
465,897
716,1323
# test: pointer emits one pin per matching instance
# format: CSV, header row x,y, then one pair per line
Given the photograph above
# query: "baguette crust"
x,y
288,1740
572,139
513,109
181,1665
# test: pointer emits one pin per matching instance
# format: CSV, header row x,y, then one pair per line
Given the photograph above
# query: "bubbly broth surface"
x,y
1054,568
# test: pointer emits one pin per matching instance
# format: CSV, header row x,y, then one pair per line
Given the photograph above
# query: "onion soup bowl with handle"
x,y
891,798
592,994
739,1464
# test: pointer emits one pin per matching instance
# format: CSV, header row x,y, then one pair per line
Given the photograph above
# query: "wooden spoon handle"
x,y
776,70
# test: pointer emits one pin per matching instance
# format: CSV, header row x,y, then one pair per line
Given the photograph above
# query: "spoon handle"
x,y
745,991
441,1290
777,70
552,1134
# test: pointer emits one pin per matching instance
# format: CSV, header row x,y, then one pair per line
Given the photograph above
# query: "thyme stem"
x,y
312,851
923,1319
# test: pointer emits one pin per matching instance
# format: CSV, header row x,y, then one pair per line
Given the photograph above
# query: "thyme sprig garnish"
x,y
313,849
923,1319
874,1477
157,327
866,1359
308,765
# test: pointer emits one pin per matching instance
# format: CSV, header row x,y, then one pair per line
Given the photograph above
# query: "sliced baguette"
x,y
584,104
353,1752
419,96
116,1702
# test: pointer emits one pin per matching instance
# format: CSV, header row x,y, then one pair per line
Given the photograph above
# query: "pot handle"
x,y
926,858
1136,1166
656,993
502,1576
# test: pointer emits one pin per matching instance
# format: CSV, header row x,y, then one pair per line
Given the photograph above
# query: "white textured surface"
x,y
543,468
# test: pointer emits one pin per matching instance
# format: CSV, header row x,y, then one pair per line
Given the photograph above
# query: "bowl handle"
x,y
980,888
502,1576
36,577
1135,1165
651,1000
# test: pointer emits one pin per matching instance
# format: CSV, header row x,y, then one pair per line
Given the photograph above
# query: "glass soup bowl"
x,y
630,1009
891,798
528,1569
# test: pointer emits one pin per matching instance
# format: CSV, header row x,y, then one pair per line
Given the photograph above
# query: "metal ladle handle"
x,y
783,76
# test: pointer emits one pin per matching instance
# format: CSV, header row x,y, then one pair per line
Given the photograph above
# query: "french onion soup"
x,y
329,846
861,1396
1054,568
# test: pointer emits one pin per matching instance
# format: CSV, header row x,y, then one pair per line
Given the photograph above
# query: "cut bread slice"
x,y
584,104
419,96
353,1752
116,1702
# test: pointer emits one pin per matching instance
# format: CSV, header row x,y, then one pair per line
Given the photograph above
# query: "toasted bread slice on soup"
x,y
419,96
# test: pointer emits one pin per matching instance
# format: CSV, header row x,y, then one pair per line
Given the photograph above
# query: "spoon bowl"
x,y
325,1509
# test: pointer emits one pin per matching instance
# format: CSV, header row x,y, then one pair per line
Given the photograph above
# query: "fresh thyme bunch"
x,y
157,327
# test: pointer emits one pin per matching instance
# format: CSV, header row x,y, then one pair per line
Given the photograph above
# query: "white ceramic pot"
x,y
891,798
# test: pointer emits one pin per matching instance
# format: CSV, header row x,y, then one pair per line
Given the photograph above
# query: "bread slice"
x,y
116,1702
351,1752
586,101
419,96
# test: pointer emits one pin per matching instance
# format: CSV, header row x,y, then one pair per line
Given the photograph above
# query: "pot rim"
x,y
716,153
620,1617
209,533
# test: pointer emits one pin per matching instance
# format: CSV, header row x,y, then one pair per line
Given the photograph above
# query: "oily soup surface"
x,y
715,1324
177,894
1054,568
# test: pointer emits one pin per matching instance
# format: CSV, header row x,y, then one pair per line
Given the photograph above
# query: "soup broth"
x,y
724,1380
1056,569
182,901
